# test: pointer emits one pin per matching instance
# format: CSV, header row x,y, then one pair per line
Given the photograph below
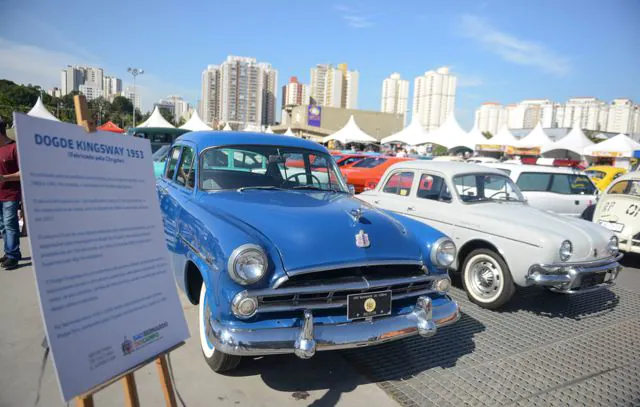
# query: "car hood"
x,y
316,230
538,227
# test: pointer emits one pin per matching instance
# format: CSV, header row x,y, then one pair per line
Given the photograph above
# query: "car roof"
x,y
204,139
534,168
448,168
606,168
630,175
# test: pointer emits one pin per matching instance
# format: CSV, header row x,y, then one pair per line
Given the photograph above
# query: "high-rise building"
x,y
240,92
176,105
93,76
133,96
70,79
621,116
491,116
111,86
210,110
334,87
590,112
434,96
91,91
395,95
295,93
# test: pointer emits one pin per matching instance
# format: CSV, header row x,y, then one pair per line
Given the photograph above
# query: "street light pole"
x,y
135,72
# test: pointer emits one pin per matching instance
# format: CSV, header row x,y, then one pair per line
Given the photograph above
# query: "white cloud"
x,y
24,63
354,18
513,49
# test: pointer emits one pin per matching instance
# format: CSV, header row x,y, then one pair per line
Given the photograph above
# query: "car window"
x,y
627,187
399,183
561,184
534,181
349,160
595,174
174,154
486,188
186,173
160,138
370,162
434,188
580,184
617,175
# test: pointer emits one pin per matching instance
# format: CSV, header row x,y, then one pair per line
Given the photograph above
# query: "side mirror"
x,y
352,189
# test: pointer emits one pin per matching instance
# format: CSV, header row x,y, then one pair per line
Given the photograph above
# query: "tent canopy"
x,y
289,132
574,142
195,123
350,133
226,127
413,134
253,128
156,120
38,110
536,138
110,126
269,130
620,145
449,134
469,140
503,138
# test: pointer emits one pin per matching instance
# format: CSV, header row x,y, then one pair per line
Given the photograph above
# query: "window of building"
x,y
399,183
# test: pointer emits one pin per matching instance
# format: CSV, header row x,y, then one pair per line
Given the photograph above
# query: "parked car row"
x,y
280,257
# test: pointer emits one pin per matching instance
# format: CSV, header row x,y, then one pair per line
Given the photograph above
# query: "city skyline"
x,y
496,48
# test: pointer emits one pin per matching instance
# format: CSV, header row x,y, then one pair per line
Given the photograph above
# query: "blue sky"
x,y
502,51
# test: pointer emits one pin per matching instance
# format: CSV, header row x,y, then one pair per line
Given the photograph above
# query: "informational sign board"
x,y
490,147
103,273
522,151
314,116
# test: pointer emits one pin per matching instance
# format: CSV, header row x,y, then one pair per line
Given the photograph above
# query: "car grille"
x,y
329,289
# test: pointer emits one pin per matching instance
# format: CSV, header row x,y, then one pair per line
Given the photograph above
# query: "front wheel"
x,y
486,279
217,361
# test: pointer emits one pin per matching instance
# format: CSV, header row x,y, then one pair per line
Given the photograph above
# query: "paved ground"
x,y
542,350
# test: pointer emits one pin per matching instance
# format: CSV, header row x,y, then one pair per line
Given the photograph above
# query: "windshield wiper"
x,y
314,188
265,187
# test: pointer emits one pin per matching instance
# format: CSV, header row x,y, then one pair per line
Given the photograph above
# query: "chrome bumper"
x,y
569,277
309,338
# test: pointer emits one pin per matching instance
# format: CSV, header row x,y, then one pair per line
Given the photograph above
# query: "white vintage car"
x,y
618,210
502,241
561,190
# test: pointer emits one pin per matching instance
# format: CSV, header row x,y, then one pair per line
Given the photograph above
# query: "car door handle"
x,y
577,202
411,209
376,202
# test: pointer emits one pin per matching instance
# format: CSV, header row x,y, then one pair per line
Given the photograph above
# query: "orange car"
x,y
366,174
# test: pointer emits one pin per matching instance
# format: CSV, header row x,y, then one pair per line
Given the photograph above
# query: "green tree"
x,y
181,121
167,114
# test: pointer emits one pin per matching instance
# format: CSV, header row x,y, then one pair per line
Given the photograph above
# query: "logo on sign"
x,y
370,305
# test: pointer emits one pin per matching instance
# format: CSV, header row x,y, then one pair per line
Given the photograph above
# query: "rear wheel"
x,y
217,361
486,279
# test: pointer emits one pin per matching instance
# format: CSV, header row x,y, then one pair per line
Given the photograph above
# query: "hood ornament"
x,y
362,239
356,214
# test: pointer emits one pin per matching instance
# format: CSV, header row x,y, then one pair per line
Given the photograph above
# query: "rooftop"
x,y
212,138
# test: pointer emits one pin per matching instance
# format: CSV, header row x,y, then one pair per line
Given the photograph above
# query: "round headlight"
x,y
442,285
443,252
613,246
247,264
566,250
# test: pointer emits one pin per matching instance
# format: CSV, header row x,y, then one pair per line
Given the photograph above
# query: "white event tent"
x,y
195,123
503,138
350,133
289,132
575,142
269,130
449,134
537,138
620,145
38,110
413,134
469,140
156,120
226,127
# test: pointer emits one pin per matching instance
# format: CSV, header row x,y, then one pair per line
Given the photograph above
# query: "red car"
x,y
344,160
366,174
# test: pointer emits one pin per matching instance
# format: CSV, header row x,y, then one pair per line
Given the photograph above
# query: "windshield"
x,y
161,154
595,174
268,167
486,187
626,187
370,162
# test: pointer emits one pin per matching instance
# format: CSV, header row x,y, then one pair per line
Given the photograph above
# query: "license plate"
x,y
590,280
612,226
368,305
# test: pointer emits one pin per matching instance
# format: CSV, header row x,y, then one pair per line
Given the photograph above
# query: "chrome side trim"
x,y
591,263
317,269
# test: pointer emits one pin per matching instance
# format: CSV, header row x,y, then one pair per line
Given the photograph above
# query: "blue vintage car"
x,y
280,257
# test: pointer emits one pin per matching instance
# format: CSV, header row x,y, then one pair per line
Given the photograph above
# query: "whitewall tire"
x,y
217,361
486,279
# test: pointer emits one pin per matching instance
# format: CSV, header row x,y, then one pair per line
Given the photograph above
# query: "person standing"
x,y
10,196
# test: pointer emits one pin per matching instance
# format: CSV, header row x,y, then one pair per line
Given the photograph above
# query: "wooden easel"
x,y
128,381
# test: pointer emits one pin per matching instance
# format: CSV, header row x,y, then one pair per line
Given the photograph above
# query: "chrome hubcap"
x,y
485,278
